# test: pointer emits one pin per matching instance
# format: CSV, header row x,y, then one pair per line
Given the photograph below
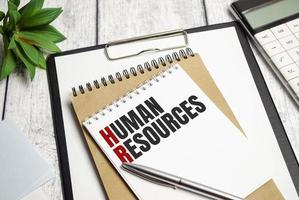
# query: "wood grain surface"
x,y
120,19
91,22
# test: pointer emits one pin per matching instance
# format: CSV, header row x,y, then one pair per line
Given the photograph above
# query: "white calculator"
x,y
274,27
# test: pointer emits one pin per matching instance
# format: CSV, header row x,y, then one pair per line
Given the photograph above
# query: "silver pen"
x,y
169,180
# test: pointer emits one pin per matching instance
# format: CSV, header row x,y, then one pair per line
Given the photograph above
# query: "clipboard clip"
x,y
155,36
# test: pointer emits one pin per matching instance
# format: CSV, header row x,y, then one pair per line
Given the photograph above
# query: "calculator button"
x,y
265,37
294,53
297,35
289,72
294,83
289,42
273,48
294,25
282,60
281,31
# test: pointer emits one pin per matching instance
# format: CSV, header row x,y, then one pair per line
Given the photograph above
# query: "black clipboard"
x,y
277,126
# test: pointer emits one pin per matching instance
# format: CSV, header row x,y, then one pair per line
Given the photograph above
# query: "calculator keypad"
x,y
290,71
289,42
281,31
265,37
294,53
273,48
281,43
294,25
282,59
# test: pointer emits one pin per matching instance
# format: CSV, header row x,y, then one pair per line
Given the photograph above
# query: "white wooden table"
x,y
93,22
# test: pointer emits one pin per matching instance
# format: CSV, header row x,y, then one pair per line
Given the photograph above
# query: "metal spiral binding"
x,y
133,71
130,95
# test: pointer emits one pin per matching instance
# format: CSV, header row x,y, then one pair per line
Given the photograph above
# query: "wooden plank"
x,y
120,19
217,11
28,103
3,6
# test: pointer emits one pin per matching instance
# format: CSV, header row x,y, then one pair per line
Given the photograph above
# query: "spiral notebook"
x,y
235,73
86,100
183,134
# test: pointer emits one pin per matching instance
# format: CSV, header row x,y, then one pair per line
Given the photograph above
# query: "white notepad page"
x,y
231,73
200,143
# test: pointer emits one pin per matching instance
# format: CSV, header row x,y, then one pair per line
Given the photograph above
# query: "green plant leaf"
x,y
8,65
2,15
12,43
27,34
5,21
41,17
14,15
12,6
16,2
38,40
42,61
30,51
9,61
29,65
30,9
50,32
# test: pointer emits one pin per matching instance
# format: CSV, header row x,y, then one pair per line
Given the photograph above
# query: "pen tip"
x,y
125,165
132,166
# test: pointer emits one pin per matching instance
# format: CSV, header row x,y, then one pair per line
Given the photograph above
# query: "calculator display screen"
x,y
271,12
